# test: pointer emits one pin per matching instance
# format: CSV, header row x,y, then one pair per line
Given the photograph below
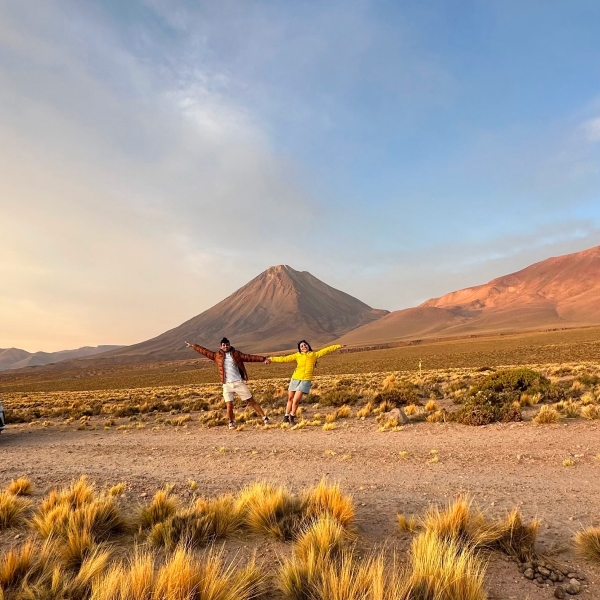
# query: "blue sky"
x,y
158,155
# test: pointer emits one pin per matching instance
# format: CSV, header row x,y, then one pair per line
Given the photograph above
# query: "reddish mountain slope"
x,y
271,312
557,292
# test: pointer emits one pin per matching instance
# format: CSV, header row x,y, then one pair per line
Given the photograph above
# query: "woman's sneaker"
x,y
292,420
266,420
231,424
286,418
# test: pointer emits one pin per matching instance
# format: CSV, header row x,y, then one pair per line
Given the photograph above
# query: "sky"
x,y
156,155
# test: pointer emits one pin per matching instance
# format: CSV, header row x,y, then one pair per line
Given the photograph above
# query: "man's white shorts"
x,y
236,387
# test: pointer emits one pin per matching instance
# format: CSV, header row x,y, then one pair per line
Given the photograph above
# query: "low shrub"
x,y
337,397
399,396
514,380
485,407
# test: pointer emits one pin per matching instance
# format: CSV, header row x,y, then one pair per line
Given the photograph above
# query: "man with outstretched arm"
x,y
233,376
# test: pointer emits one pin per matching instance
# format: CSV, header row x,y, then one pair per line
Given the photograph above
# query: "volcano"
x,y
271,312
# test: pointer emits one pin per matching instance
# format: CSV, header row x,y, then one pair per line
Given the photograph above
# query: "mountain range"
x,y
15,358
282,305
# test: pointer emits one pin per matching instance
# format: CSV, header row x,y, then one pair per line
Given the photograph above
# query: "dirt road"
x,y
500,466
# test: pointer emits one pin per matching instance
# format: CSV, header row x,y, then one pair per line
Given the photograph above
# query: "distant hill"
x,y
558,292
271,312
14,358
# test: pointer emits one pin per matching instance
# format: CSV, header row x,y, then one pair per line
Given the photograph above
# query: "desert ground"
x,y
548,471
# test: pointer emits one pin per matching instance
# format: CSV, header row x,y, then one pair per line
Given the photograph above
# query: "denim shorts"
x,y
300,385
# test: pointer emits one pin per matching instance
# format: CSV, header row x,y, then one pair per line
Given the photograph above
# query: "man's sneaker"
x,y
231,424
286,418
292,420
266,420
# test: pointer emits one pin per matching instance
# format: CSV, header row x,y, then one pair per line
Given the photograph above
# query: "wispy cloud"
x,y
591,130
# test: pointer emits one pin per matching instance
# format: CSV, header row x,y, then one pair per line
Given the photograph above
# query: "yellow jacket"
x,y
305,361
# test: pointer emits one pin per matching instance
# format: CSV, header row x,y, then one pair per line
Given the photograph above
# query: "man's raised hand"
x,y
188,344
267,361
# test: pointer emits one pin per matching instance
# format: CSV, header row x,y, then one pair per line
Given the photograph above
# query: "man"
x,y
233,376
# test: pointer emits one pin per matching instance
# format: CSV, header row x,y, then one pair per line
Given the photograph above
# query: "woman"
x,y
302,377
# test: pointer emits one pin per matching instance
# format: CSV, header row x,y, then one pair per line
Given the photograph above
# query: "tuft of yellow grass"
x,y
325,536
330,418
439,416
445,568
365,411
568,462
328,426
411,409
13,510
587,543
515,538
569,408
327,499
202,523
343,412
431,406
410,524
388,383
22,564
588,398
117,489
23,486
162,507
546,415
270,510
591,411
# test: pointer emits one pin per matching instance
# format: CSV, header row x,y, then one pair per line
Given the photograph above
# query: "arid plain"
x,y
534,446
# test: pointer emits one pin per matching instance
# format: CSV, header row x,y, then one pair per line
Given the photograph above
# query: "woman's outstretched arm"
x,y
327,350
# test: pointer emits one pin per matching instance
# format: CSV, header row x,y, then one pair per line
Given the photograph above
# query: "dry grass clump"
x,y
515,538
410,524
468,526
462,523
588,398
431,406
20,565
182,577
591,411
162,507
388,383
202,523
546,415
568,408
97,518
324,566
344,412
327,499
325,535
365,411
270,510
587,543
13,510
439,416
444,569
23,486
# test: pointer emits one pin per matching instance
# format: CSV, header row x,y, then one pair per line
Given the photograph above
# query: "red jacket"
x,y
238,357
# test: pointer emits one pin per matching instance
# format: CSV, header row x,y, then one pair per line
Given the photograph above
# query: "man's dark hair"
x,y
225,341
304,342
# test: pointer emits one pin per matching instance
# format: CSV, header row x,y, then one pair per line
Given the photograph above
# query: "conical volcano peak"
x,y
271,312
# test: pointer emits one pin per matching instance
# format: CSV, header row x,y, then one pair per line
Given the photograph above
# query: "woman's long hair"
x,y
304,342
